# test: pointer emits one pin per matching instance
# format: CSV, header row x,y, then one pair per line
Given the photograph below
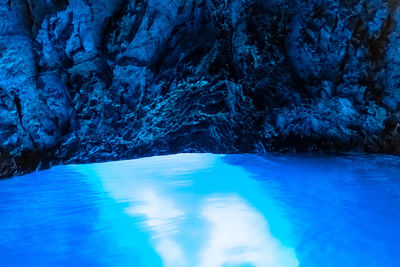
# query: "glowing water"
x,y
205,210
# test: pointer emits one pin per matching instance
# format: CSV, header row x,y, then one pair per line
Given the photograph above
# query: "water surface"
x,y
205,210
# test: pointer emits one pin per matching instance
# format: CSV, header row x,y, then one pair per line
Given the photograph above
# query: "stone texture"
x,y
92,80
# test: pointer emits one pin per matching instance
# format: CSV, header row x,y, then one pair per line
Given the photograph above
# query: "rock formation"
x,y
95,80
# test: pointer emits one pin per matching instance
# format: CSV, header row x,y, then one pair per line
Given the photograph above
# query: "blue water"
x,y
204,210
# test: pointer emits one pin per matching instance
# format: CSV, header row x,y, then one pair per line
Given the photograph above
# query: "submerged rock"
x,y
100,80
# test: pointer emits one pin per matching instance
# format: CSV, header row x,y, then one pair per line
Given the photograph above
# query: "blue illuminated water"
x,y
204,210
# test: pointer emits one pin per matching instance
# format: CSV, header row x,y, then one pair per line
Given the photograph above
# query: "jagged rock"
x,y
99,80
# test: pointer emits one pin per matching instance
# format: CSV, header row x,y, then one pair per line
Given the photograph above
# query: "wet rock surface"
x,y
92,80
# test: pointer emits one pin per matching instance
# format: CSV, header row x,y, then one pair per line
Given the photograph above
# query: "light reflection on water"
x,y
190,206
205,210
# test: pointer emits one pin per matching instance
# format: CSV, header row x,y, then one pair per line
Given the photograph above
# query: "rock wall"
x,y
94,80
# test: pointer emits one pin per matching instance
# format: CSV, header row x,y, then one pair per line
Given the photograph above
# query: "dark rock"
x,y
92,80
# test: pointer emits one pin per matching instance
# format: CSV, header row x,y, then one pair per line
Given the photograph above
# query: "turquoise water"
x,y
204,210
